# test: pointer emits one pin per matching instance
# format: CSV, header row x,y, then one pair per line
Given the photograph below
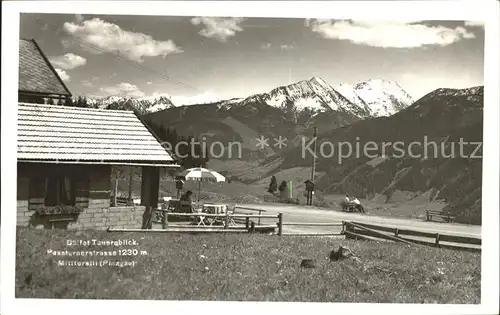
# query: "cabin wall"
x,y
93,188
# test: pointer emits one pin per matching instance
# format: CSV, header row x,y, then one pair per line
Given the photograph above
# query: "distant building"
x,y
65,155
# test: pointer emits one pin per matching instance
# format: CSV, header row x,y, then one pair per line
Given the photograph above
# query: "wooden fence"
x,y
232,222
358,230
309,224
239,208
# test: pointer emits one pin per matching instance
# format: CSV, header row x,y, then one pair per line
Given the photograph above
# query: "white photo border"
x,y
389,10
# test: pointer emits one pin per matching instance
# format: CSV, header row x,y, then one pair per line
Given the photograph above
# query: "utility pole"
x,y
313,173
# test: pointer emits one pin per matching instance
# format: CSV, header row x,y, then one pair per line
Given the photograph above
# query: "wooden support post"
x,y
116,190
437,239
247,223
226,223
280,224
164,220
150,218
130,185
150,186
260,212
146,218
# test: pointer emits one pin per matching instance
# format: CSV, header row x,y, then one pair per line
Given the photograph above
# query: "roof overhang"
x,y
115,163
72,135
41,94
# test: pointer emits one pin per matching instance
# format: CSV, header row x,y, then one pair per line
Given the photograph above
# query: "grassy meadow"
x,y
245,268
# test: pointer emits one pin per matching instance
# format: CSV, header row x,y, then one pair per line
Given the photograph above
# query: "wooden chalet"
x,y
65,156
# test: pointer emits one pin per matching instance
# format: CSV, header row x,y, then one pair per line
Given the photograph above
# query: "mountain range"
x,y
376,110
372,98
143,105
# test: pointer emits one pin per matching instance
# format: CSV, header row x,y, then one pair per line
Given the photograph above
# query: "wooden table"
x,y
216,209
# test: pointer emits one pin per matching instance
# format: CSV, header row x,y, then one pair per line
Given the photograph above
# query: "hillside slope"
x,y
446,117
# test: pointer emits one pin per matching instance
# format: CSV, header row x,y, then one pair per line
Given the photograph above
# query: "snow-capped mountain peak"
x,y
379,97
148,104
319,81
372,98
313,94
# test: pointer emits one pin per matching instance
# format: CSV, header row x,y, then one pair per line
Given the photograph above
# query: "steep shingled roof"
x,y
36,73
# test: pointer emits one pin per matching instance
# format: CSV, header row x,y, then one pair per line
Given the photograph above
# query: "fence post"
x,y
396,232
348,228
247,223
437,239
280,224
164,220
226,225
260,212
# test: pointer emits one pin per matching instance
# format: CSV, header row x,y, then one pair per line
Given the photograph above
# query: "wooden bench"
x,y
436,213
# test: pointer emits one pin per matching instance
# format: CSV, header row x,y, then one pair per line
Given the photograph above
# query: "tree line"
x,y
81,101
189,155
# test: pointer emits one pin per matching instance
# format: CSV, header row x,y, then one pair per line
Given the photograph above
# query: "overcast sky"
x,y
209,58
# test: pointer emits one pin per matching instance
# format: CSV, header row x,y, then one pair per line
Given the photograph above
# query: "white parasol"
x,y
200,174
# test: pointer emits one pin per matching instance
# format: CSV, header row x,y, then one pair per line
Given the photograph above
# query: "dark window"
x,y
59,189
23,98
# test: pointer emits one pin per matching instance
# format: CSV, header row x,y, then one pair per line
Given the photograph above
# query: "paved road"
x,y
303,214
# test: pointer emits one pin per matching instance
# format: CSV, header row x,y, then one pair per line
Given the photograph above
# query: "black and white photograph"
x,y
161,152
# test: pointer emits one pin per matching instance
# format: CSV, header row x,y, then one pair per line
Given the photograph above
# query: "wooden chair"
x,y
185,207
173,205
